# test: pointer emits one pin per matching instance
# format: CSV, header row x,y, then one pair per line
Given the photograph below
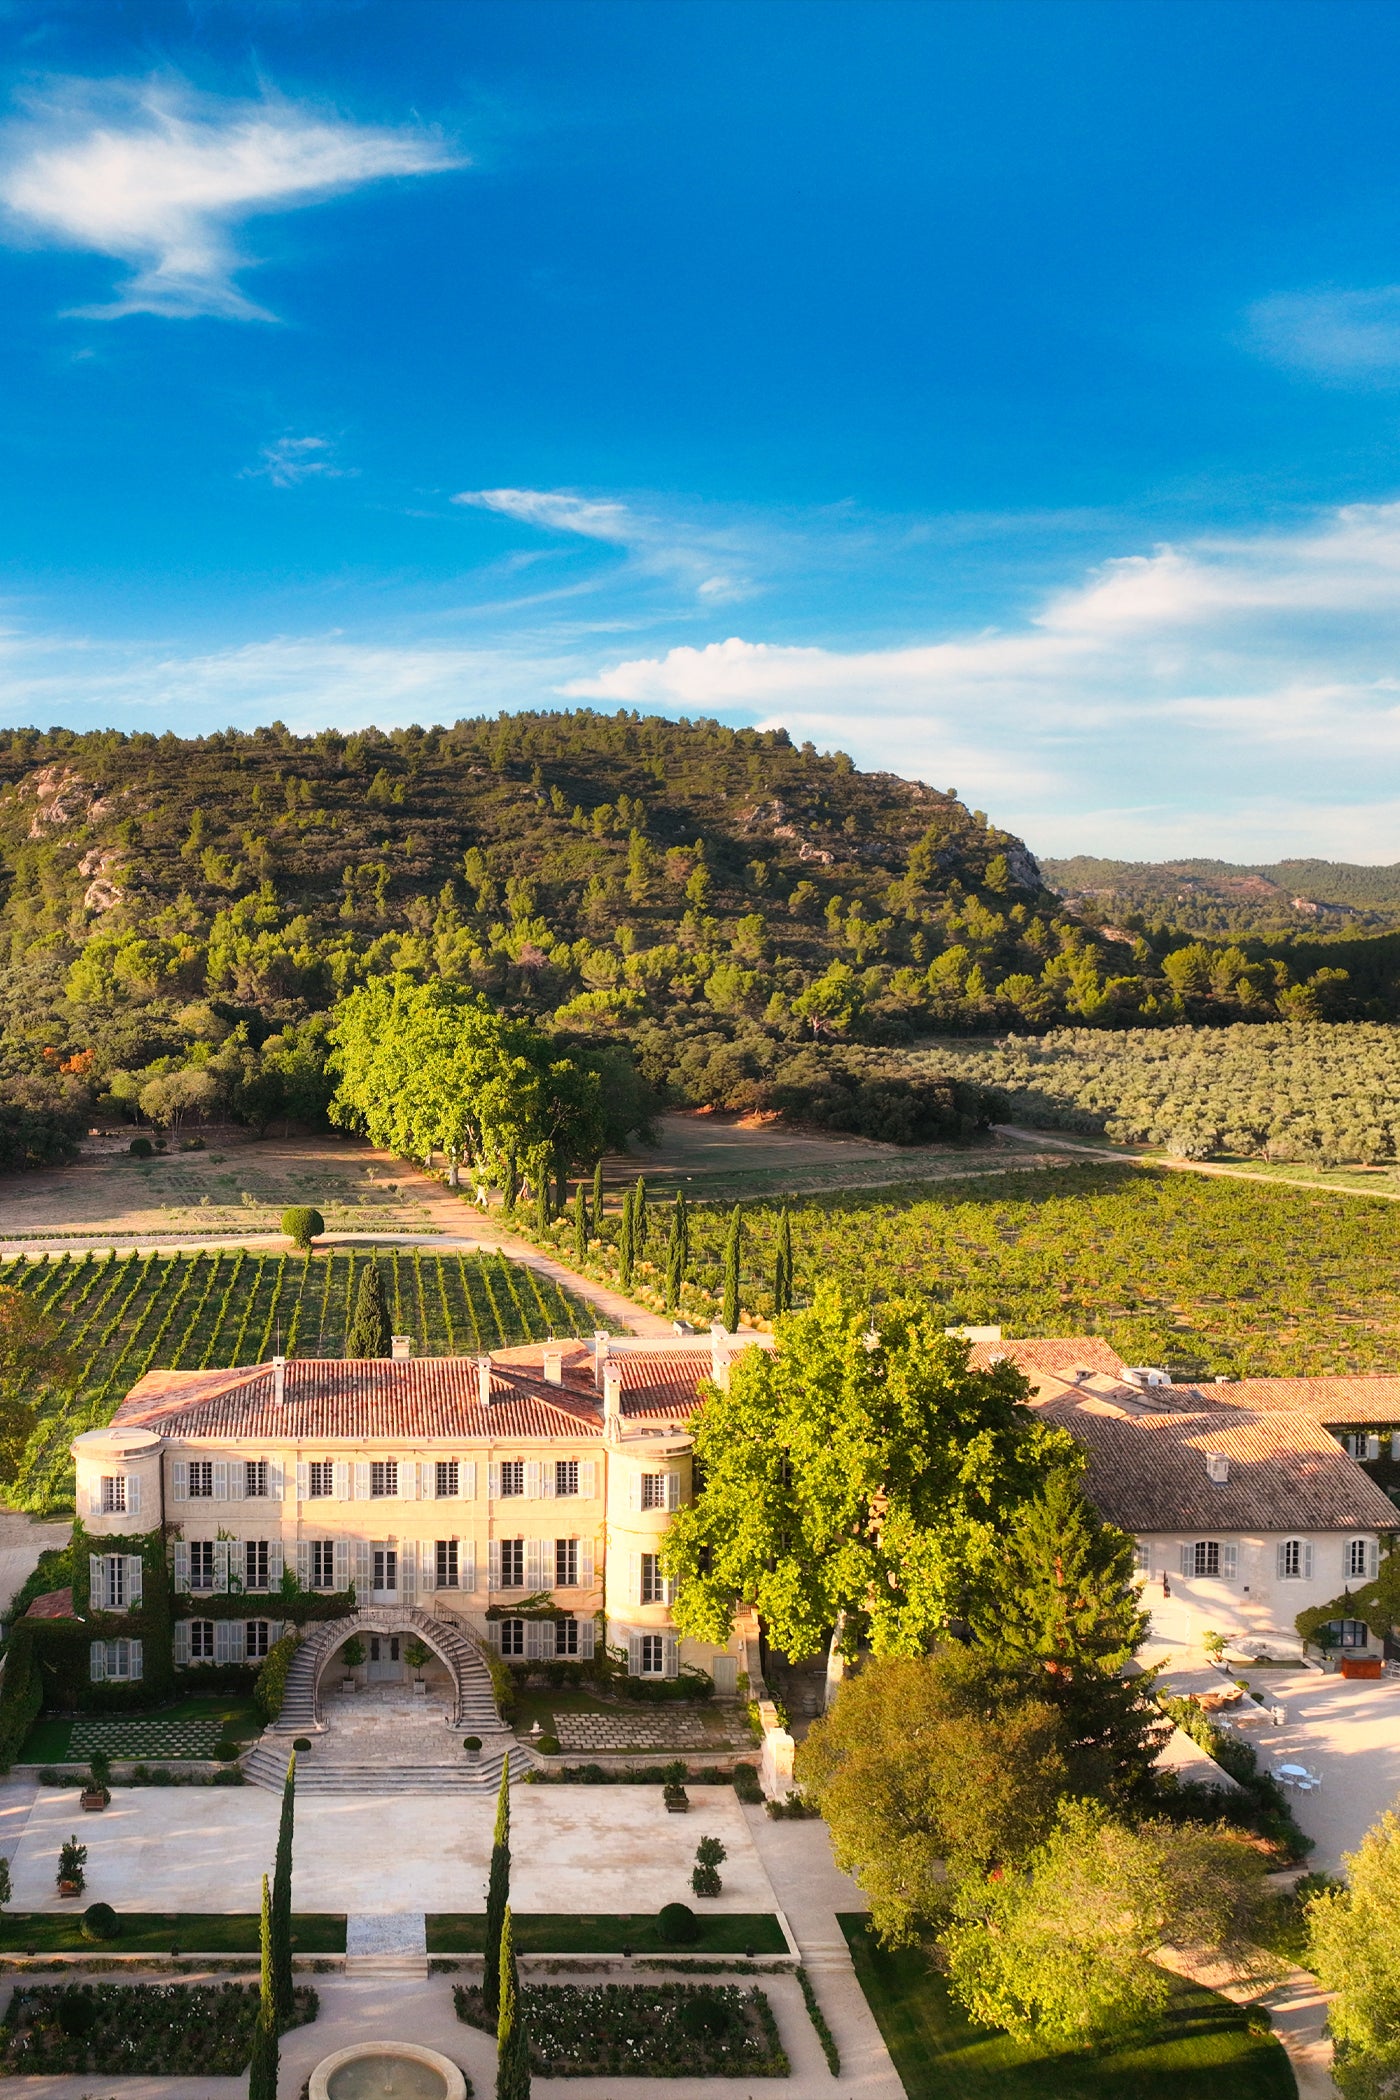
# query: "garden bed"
x,y
188,1729
646,2030
160,2030
721,1932
157,1932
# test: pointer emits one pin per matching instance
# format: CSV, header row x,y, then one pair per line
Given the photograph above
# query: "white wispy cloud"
x,y
700,556
1331,334
289,460
160,178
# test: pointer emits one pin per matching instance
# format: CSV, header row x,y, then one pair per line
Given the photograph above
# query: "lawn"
x,y
160,1932
941,2055
190,1728
721,1932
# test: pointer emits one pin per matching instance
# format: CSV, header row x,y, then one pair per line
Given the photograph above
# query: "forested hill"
x,y
179,916
1264,898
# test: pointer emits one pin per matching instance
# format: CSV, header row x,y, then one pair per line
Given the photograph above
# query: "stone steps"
x,y
326,1772
404,1968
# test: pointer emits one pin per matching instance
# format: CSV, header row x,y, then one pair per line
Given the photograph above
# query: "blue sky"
x,y
1008,394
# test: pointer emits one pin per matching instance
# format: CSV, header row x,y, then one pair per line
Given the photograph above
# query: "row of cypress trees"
x,y
634,1231
276,1999
500,1981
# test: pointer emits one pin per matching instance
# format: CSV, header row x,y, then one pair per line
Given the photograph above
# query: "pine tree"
x,y
369,1329
262,2071
782,1275
730,1313
580,1224
512,2045
597,1203
627,1240
283,1986
497,1897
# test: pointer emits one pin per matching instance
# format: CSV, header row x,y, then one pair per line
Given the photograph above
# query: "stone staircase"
x,y
370,1759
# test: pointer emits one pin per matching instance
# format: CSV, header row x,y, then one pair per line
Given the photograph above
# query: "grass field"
x,y
1205,1274
1204,2042
163,1932
721,1932
121,1316
190,1728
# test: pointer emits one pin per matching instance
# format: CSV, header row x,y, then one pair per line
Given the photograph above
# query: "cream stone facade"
x,y
543,1476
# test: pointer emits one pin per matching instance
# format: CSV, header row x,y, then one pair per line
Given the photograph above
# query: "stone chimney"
x,y
719,1354
612,1403
1217,1467
601,1339
279,1381
400,1348
483,1380
553,1364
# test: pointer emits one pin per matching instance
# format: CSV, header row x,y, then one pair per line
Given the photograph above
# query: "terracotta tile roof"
x,y
1148,1473
1339,1401
54,1604
1059,1354
335,1400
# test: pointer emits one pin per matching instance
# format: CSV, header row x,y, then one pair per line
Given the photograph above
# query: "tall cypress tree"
x,y
680,1227
283,1987
512,2044
627,1239
369,1329
542,1210
730,1313
497,1897
639,1219
262,2071
674,1276
597,1204
580,1224
782,1275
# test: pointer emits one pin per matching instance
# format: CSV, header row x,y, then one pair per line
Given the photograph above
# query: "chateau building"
x,y
541,1477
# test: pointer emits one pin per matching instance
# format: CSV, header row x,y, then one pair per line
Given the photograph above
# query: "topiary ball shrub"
x,y
302,1224
140,1148
707,2018
301,1742
77,2011
678,1925
226,1750
100,1922
471,1744
548,1744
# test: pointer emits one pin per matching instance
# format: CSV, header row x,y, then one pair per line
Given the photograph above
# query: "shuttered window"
x,y
447,1477
512,1553
320,1479
1295,1560
201,1640
255,1477
512,1636
1359,1560
255,1564
201,1479
512,1477
323,1564
566,1564
566,1476
113,1494
256,1639
447,1564
384,1476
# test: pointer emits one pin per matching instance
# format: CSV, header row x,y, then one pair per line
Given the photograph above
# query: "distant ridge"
x,y
1235,897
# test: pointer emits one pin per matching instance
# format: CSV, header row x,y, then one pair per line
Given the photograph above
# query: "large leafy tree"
x,y
928,1769
859,1476
1354,1946
434,1067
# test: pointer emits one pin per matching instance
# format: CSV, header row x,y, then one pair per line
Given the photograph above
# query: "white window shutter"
x,y
97,1582
1188,1560
237,1641
634,1655
532,1640
466,1480
341,1557
362,1480
549,1477
276,1562
274,1480
221,1640
137,1652
303,1563
634,1580
303,1480
95,1496
408,1571
1307,1563
408,1480
180,1480
586,1475
340,1479
1372,1559
427,1563
182,1564
493,1564
587,1632
1279,1565
466,1564
534,1565
134,1571
221,1564
237,1479
1395,1443
364,1571
1373,1447
634,1488
221,1480
671,1655
673,1490
97,1661
275,1631
585,1564
533,1486
180,1644
1229,1568
493,1482
133,1494
493,1634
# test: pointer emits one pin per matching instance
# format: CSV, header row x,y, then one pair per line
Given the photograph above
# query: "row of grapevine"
x,y
119,1317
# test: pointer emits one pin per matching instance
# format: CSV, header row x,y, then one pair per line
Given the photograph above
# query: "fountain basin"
x,y
372,2070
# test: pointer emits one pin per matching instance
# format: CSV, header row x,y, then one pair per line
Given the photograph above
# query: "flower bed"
x,y
160,2030
648,2030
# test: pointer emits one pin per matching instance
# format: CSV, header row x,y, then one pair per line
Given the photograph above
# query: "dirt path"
x,y
1085,1150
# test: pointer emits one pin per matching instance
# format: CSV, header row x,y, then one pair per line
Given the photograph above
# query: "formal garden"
x,y
636,2030
160,2030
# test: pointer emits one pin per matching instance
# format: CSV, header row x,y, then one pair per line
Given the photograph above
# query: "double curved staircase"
x,y
332,1766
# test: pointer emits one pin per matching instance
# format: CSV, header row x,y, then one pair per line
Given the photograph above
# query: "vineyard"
x,y
1207,1275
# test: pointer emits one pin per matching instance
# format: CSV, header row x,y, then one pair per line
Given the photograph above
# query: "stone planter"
x,y
347,1684
70,1888
94,1798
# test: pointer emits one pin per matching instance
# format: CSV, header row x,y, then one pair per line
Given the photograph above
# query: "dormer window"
x,y
1217,1467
